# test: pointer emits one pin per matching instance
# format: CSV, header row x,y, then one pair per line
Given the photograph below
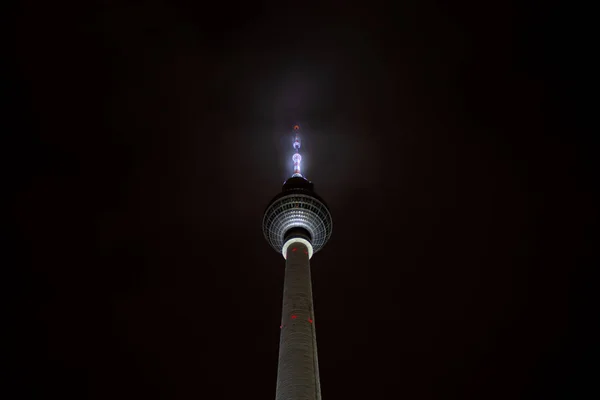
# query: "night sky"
x,y
150,138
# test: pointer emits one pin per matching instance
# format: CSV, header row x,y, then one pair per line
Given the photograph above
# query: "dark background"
x,y
150,138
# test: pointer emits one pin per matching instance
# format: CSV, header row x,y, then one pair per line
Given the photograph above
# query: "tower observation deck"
x,y
297,224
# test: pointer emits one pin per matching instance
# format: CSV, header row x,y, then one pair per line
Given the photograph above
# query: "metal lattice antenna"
x,y
297,158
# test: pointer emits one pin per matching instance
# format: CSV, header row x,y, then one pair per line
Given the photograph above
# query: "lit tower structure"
x,y
297,224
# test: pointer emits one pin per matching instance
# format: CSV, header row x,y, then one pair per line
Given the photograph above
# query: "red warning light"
x,y
305,252
294,317
310,320
294,249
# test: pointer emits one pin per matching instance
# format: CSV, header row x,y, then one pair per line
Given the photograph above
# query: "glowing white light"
x,y
297,158
297,142
297,240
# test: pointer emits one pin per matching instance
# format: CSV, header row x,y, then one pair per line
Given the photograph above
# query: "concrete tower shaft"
x,y
298,370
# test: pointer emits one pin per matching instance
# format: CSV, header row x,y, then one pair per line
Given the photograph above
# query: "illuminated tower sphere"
x,y
297,223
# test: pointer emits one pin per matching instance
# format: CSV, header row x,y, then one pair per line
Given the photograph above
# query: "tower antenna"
x,y
297,158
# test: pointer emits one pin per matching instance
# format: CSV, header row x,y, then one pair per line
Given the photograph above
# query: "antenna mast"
x,y
297,158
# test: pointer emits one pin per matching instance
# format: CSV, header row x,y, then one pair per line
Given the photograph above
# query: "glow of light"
x,y
310,320
297,157
294,317
297,240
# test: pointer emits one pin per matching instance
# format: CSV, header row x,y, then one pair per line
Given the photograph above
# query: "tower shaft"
x,y
298,370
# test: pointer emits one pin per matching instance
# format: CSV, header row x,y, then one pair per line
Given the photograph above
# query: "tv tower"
x,y
297,223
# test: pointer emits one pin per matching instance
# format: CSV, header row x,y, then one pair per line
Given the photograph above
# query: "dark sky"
x,y
151,138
